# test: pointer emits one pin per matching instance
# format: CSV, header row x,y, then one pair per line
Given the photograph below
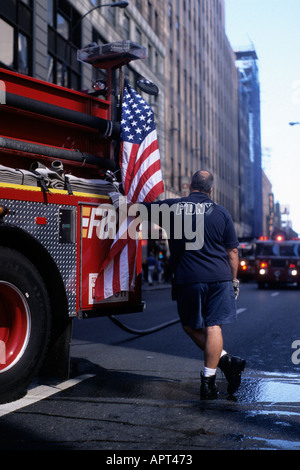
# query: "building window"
x,y
63,26
150,53
16,36
126,27
64,38
98,73
150,13
111,15
23,65
6,44
138,36
156,22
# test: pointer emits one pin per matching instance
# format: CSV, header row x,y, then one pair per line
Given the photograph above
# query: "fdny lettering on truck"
x,y
99,221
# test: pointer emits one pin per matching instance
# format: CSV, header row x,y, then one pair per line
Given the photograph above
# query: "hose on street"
x,y
142,332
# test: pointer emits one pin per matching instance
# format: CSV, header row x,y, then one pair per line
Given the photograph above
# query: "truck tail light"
x,y
243,265
293,270
263,268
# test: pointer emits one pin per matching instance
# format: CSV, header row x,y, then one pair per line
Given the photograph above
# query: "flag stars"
x,y
137,117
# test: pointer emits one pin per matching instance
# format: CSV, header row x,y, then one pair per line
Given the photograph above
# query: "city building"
x,y
201,100
201,113
246,62
268,206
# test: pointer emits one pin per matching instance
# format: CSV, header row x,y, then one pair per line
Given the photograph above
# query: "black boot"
x,y
208,390
232,368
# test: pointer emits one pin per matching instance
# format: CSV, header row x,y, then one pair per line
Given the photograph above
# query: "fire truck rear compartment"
x,y
60,337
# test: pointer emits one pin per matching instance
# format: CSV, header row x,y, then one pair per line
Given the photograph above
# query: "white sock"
x,y
209,372
223,353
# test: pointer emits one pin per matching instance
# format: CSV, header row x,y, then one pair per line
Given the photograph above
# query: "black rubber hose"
x,y
143,332
57,153
105,127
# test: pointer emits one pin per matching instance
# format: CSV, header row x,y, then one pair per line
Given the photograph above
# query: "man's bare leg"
x,y
210,340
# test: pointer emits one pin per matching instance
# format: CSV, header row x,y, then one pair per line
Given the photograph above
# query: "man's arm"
x,y
233,258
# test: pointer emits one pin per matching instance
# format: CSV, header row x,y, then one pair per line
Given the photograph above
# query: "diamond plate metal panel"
x,y
23,214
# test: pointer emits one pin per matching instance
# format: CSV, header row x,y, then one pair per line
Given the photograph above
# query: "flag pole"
x,y
120,95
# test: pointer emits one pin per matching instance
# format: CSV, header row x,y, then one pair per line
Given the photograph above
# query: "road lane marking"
x,y
39,393
240,310
274,294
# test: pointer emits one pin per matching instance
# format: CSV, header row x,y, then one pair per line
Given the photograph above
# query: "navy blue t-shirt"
x,y
210,262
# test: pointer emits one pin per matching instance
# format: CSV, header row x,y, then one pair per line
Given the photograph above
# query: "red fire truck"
x,y
58,162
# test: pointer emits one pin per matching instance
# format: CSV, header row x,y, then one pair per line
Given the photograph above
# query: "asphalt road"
x,y
130,393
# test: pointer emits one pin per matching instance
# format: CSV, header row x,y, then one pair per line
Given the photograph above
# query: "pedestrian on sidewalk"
x,y
205,282
204,276
160,270
151,261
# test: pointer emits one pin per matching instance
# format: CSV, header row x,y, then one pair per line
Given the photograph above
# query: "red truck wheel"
x,y
15,325
24,323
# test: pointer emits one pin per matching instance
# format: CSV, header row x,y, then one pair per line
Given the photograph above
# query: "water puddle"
x,y
278,444
270,387
270,402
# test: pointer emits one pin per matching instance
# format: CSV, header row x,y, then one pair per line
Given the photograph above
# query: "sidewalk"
x,y
156,285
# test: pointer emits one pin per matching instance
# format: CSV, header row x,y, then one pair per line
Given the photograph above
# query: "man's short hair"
x,y
202,181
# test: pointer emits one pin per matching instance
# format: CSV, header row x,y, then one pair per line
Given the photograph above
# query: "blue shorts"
x,y
206,304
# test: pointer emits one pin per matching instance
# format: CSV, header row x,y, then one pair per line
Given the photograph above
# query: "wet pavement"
x,y
129,397
158,407
144,404
263,414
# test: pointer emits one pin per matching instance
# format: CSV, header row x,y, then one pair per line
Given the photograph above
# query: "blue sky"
x,y
273,27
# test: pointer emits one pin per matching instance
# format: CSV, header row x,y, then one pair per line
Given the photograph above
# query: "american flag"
x,y
142,182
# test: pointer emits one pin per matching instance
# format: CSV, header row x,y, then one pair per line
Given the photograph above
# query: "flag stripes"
x,y
142,181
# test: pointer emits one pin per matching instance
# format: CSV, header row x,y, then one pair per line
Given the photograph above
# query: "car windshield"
x,y
288,250
269,249
278,249
244,252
